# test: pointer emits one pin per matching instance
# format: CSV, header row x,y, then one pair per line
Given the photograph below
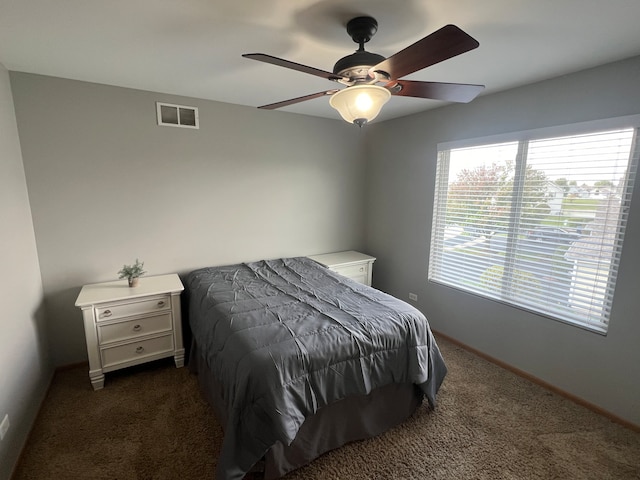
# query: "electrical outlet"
x,y
413,296
4,426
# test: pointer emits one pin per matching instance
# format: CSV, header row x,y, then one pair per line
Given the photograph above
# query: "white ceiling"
x,y
194,47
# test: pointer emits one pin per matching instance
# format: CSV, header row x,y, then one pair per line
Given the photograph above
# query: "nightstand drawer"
x,y
119,310
129,329
132,352
352,271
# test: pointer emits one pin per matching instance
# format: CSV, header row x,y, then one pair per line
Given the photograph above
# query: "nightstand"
x,y
126,326
352,264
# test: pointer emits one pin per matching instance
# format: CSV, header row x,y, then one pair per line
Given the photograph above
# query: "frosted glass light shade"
x,y
360,104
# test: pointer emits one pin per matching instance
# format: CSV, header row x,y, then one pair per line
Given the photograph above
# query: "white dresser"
x,y
352,264
126,326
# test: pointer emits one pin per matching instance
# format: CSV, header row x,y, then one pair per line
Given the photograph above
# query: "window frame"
x,y
523,138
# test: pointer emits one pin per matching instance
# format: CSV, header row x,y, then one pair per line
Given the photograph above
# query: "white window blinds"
x,y
537,223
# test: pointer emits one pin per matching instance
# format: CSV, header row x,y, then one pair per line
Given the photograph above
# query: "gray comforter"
x,y
286,337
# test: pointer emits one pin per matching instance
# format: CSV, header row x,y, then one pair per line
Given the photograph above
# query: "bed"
x,y
297,360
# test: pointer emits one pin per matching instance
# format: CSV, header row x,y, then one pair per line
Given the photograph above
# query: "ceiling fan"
x,y
362,72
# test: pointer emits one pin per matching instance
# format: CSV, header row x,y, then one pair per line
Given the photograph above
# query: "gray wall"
x,y
107,185
603,370
25,368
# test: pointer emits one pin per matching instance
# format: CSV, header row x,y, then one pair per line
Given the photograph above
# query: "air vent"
x,y
171,115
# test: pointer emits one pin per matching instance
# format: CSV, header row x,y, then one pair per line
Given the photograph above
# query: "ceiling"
x,y
194,47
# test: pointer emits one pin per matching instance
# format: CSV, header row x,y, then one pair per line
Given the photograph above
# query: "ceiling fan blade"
x,y
450,92
273,106
442,44
262,57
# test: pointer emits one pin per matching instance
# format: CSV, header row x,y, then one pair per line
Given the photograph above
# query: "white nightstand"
x,y
126,326
354,265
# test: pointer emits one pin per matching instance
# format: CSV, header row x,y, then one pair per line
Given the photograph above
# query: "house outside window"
x,y
537,219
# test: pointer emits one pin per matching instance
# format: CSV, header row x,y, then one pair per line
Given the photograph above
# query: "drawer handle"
x,y
161,304
362,269
139,349
137,328
106,313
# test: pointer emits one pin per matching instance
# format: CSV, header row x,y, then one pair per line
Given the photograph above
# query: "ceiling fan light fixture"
x,y
360,104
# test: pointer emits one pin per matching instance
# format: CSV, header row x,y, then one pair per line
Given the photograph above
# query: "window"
x,y
536,220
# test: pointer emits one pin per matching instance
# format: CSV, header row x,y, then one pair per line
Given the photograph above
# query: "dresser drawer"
x,y
132,352
114,332
118,310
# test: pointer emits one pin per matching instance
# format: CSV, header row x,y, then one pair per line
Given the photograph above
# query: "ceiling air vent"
x,y
172,115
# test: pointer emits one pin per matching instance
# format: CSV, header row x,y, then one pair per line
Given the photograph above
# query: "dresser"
x,y
126,326
352,264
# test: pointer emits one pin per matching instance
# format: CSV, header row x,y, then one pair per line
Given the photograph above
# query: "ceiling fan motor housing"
x,y
357,65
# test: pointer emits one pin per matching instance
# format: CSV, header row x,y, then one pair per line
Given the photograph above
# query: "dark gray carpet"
x,y
150,422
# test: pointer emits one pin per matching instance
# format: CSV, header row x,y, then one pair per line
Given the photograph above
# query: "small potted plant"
x,y
132,272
